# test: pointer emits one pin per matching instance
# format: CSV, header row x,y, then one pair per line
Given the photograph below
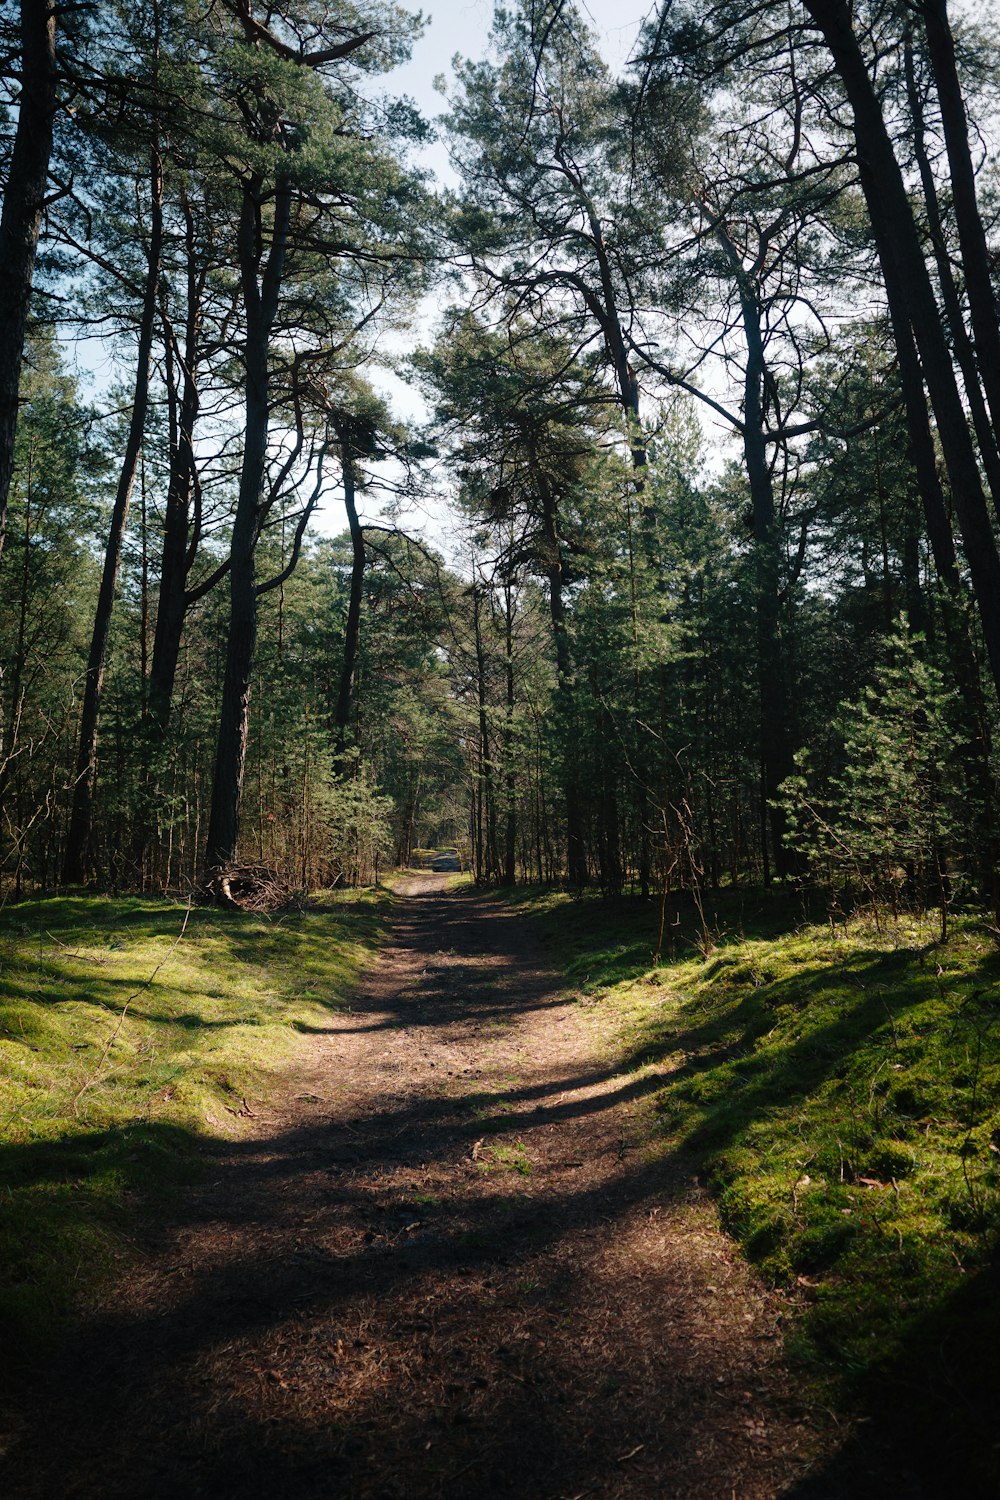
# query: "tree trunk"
x,y
179,545
776,750
15,681
965,354
971,234
913,595
612,875
576,854
352,630
614,340
261,303
628,393
77,854
905,270
510,825
486,793
21,218
976,757
922,451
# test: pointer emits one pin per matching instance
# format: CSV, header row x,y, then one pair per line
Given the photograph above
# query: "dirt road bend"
x,y
439,1265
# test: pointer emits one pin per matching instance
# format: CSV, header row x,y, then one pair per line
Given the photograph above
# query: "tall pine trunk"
x,y
971,232
576,850
261,304
510,773
486,800
776,748
352,629
628,395
21,218
180,537
77,858
965,353
905,273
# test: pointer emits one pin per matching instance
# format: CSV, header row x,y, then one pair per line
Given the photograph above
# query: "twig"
x,y
92,1079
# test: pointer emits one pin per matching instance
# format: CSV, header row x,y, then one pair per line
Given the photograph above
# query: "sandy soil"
x,y
438,1266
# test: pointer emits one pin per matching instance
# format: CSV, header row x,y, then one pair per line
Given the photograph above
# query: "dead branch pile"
x,y
255,888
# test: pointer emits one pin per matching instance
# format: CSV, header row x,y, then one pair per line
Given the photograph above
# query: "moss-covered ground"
x,y
839,1087
133,1033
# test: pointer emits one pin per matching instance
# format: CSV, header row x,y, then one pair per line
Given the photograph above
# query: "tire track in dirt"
x,y
437,1268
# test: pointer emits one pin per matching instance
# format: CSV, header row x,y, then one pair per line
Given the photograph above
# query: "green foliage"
x,y
359,833
885,820
48,579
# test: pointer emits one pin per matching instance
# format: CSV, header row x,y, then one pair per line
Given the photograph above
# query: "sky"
x,y
463,27
453,27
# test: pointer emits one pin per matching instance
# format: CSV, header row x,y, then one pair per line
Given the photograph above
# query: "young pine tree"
x,y
889,822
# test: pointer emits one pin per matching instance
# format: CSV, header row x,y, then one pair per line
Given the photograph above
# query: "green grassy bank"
x,y
840,1090
126,1044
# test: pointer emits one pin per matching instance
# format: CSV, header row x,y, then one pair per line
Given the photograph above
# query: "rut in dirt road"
x,y
438,1269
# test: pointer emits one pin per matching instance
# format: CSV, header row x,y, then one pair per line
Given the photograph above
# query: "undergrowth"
x,y
125,1047
839,1087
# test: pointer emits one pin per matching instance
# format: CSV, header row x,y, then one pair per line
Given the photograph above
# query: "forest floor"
x,y
438,1263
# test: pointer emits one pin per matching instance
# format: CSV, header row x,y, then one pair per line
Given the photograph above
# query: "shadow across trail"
x,y
438,1267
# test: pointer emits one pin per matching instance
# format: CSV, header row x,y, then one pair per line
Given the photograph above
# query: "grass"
x,y
840,1090
126,1048
513,1158
429,859
455,878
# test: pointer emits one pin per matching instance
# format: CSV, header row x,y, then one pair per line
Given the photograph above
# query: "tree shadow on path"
x,y
442,1272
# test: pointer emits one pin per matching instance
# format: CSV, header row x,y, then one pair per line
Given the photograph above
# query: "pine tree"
x,y
891,815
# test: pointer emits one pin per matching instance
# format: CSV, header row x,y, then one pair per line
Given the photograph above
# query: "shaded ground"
x,y
437,1268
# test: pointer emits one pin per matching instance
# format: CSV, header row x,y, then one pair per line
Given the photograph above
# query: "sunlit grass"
x,y
838,1087
511,1158
125,1045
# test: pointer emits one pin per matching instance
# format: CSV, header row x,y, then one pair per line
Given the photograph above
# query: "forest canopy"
x,y
711,422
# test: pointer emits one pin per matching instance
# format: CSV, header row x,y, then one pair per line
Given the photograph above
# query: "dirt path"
x,y
438,1269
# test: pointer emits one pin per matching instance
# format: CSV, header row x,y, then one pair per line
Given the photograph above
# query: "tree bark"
x,y
776,749
965,353
609,319
487,800
576,853
76,860
971,233
179,544
510,822
628,392
260,303
352,630
904,268
21,218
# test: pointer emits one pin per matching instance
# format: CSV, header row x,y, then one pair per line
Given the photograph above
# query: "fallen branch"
x,y
254,888
92,1079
